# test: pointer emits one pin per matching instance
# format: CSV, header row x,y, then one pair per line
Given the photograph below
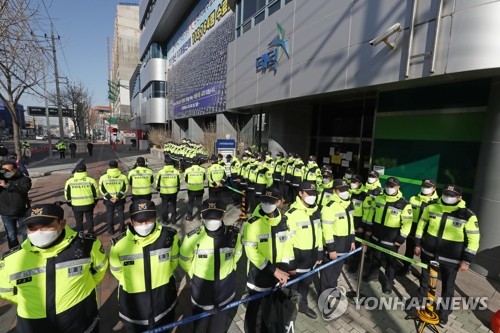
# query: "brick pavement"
x,y
48,188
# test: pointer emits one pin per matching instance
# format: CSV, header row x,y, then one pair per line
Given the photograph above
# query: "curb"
x,y
38,174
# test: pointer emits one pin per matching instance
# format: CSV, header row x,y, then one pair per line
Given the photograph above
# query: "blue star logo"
x,y
280,41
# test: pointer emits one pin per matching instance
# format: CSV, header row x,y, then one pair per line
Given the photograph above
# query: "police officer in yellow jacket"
x,y
216,176
61,148
373,189
389,224
113,186
141,180
325,189
195,177
426,197
447,232
337,225
168,184
53,274
209,255
303,218
358,198
312,172
80,191
143,260
269,249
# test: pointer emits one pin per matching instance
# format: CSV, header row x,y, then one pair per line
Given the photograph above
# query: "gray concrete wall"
x,y
195,132
330,50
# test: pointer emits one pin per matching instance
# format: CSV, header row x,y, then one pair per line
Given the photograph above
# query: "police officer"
x,y
80,191
325,190
195,177
303,218
168,184
358,197
390,224
312,171
426,197
141,180
373,189
298,171
143,260
61,148
337,225
447,232
260,178
278,171
269,248
113,186
209,255
348,173
53,275
234,167
216,175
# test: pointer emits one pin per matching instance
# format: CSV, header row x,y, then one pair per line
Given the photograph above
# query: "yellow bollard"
x,y
428,316
243,214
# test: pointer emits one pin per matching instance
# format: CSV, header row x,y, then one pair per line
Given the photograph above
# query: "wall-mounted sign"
x,y
39,111
277,47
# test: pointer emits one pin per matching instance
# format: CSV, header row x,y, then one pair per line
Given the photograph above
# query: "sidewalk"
x,y
49,188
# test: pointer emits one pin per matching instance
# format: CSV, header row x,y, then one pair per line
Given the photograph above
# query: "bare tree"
x,y
91,117
21,58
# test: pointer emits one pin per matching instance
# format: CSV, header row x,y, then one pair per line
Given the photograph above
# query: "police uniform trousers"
x,y
447,275
355,259
251,201
169,206
89,218
288,193
329,276
62,154
410,246
133,328
251,314
119,207
194,201
217,323
391,263
141,196
215,193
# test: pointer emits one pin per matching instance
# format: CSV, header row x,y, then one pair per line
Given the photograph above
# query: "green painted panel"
x,y
457,127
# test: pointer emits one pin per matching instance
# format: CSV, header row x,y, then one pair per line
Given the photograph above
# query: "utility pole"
x,y
58,91
47,113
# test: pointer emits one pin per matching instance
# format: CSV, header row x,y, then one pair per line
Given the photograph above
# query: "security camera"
x,y
389,32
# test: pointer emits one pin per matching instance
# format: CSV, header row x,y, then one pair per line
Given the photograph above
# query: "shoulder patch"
x,y
233,228
330,203
291,210
253,219
90,236
170,229
195,231
11,251
117,238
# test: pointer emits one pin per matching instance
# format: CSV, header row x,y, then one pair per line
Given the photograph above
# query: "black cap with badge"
x,y
212,209
340,184
142,210
308,187
428,183
452,190
43,214
392,182
271,195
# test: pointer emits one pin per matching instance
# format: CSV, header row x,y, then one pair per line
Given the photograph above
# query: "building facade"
x,y
125,56
409,88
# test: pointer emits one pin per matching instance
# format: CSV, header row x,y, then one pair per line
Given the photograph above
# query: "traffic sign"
x,y
40,111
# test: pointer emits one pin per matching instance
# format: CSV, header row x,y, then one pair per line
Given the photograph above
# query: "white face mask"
x,y
261,163
371,180
348,176
326,180
449,200
212,225
310,200
344,195
244,158
354,186
42,238
267,207
391,190
144,229
310,162
427,190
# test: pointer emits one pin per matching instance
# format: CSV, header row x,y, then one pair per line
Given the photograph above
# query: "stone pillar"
x,y
486,198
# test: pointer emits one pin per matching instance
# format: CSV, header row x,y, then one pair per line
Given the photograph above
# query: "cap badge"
x,y
212,205
142,206
36,211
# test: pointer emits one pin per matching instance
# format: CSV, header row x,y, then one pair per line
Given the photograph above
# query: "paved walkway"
x,y
48,182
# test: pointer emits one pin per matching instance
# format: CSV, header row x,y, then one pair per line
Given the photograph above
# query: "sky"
x,y
83,26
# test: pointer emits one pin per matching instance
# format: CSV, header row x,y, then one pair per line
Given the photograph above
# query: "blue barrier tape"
x,y
250,298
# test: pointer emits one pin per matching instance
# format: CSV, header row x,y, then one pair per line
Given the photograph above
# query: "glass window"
x,y
249,8
260,4
273,8
260,17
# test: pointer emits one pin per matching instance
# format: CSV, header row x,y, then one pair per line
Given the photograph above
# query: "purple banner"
x,y
198,99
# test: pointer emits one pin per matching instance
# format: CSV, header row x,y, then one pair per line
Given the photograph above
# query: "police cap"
x,y
212,209
142,210
356,179
271,195
428,183
452,190
392,182
43,214
113,164
308,187
340,184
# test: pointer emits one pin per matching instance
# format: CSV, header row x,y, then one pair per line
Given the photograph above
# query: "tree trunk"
x,y
15,128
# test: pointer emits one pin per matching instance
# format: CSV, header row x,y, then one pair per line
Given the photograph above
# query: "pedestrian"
x,y
195,177
4,152
168,184
337,225
61,148
147,293
53,275
209,255
141,179
72,149
80,191
389,223
216,176
14,201
447,232
269,249
303,218
90,148
26,152
114,186
426,197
